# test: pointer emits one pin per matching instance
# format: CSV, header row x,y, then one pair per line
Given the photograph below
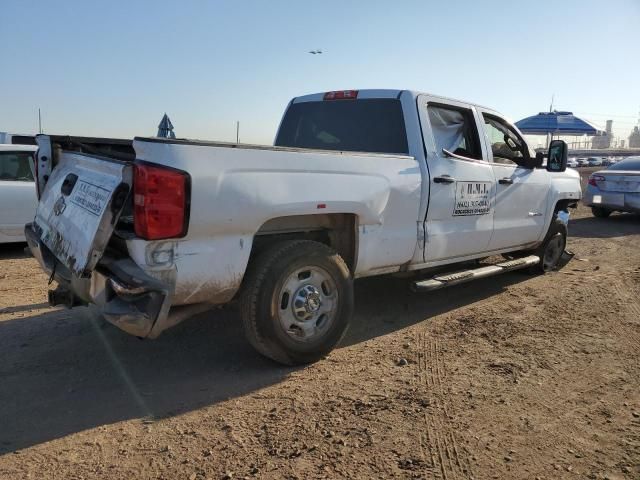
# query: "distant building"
x,y
634,138
604,141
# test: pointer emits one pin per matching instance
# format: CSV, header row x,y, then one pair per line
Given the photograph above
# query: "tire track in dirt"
x,y
439,444
630,305
611,294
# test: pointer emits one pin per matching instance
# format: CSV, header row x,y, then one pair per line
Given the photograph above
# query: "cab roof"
x,y
383,93
10,147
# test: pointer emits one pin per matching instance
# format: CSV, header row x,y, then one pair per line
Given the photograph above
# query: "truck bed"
x,y
236,192
249,146
121,149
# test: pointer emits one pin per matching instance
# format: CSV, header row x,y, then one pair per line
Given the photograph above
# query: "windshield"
x,y
14,166
371,125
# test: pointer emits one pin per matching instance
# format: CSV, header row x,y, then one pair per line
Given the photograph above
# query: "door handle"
x,y
505,181
444,179
535,214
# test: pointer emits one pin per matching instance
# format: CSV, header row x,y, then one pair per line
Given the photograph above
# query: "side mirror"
x,y
557,157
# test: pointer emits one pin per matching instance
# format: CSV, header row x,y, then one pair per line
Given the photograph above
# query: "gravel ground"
x,y
516,377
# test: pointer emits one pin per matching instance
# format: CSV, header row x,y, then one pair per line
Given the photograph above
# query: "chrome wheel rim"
x,y
553,252
307,303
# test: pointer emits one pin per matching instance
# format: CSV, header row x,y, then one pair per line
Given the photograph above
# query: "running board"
x,y
448,279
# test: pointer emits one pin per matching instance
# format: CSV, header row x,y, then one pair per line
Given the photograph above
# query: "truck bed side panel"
x,y
236,190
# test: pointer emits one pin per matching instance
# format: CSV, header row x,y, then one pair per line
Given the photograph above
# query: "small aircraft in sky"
x,y
315,52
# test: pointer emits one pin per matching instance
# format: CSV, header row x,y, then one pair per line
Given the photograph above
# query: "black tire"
x,y
600,212
262,301
552,248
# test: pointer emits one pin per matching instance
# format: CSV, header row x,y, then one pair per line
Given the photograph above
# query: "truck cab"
x,y
481,190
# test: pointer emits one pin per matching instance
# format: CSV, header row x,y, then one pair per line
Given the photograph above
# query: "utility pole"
x,y
237,131
550,135
39,121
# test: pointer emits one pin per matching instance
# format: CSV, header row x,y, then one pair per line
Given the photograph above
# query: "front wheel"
x,y
297,301
551,250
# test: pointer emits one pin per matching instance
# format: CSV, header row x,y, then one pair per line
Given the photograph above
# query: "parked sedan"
x,y
594,162
615,189
18,198
572,162
582,162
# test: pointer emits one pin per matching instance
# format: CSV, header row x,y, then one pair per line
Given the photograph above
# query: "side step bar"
x,y
448,279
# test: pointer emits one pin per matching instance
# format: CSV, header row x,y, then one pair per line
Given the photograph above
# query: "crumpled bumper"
x,y
128,297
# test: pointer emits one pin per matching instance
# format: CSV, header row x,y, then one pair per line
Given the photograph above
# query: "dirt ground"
x,y
516,377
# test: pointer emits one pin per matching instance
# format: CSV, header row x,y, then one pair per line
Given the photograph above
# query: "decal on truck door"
x,y
472,198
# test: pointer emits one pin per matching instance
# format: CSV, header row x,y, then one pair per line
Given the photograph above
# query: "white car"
x,y
18,199
359,183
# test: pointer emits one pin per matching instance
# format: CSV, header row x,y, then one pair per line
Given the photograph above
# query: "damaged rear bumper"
x,y
128,297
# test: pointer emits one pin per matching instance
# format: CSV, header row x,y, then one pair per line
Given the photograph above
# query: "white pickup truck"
x,y
358,183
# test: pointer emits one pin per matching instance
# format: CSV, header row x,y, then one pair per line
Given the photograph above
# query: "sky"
x,y
113,68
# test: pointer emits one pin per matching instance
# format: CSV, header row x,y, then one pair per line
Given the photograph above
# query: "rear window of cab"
x,y
367,125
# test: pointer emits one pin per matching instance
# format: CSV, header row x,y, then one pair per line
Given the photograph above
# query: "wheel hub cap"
x,y
306,302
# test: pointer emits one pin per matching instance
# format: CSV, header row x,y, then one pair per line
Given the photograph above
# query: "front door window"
x,y
507,146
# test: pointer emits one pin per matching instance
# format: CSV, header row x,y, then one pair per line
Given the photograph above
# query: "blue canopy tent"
x,y
165,129
557,123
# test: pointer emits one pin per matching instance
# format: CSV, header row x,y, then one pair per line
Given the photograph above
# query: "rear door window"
x,y
367,125
15,166
454,130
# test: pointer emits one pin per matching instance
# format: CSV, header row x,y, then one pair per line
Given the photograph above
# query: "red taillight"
x,y
341,95
159,202
595,178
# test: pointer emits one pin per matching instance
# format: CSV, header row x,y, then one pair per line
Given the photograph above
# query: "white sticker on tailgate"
x,y
90,197
472,198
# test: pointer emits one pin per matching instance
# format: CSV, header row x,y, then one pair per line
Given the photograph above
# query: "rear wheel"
x,y
600,212
297,301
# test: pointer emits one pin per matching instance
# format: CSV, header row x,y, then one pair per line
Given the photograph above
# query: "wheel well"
x,y
565,204
336,230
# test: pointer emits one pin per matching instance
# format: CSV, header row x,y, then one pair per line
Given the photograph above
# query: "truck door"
x,y
522,191
459,220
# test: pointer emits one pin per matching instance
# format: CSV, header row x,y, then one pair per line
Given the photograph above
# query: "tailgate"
x,y
80,206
